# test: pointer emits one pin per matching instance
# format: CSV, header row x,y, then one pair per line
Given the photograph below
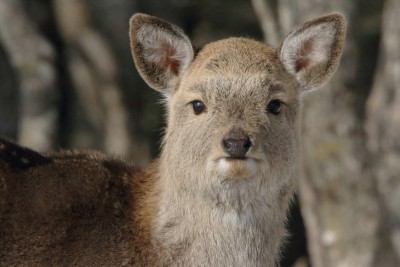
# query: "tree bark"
x,y
383,131
338,198
267,14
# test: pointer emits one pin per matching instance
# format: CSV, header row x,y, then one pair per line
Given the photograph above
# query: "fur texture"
x,y
196,205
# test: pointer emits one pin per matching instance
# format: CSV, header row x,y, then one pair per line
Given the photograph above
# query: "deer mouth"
x,y
235,167
235,158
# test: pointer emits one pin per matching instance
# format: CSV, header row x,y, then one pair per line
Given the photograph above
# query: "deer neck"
x,y
205,220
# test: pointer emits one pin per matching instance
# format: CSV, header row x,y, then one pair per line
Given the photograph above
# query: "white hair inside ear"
x,y
311,52
308,49
161,51
167,51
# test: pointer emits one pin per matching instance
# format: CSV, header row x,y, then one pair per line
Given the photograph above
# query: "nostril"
x,y
247,144
227,144
236,148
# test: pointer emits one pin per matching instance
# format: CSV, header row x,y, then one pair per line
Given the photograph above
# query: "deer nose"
x,y
236,148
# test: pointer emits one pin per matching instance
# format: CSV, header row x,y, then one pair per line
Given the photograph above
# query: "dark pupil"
x,y
274,106
198,107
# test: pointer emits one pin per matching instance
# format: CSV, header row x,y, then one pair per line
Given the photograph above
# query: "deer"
x,y
219,192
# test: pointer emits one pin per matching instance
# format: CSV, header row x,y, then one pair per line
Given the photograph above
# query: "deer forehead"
x,y
237,69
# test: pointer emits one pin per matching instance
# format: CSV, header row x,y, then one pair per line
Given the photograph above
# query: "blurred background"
x,y
67,80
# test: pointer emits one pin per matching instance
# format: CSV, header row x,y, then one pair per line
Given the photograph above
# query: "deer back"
x,y
68,208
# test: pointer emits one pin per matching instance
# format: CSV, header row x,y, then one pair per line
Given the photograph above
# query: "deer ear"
x,y
161,51
312,52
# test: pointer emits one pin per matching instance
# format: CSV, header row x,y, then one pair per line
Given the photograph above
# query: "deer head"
x,y
235,106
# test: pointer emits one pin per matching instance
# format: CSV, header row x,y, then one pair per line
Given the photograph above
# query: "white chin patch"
x,y
235,168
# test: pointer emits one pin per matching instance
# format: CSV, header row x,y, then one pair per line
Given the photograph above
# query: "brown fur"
x,y
59,208
196,205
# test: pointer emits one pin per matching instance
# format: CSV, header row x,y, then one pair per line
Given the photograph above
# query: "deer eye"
x,y
274,106
198,107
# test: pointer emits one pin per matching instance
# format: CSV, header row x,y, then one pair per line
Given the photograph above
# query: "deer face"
x,y
236,107
233,109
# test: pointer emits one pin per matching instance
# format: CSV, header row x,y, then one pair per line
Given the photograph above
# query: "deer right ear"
x,y
161,51
311,53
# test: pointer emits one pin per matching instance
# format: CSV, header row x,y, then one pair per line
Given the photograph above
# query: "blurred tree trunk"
x,y
94,76
70,92
32,58
383,129
339,198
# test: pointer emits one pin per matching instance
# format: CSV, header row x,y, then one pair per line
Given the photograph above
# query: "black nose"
x,y
236,148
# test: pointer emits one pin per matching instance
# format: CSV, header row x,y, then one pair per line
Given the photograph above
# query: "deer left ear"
x,y
311,53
